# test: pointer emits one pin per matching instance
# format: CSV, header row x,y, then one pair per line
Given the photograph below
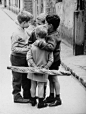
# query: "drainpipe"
x,y
19,5
4,3
78,29
9,4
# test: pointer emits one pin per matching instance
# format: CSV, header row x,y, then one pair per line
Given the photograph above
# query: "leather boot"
x,y
56,102
18,99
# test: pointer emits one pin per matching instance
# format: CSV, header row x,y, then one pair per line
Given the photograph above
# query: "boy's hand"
x,y
44,66
39,42
28,64
29,47
36,43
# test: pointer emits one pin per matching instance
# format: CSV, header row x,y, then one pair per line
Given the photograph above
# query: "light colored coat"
x,y
19,41
40,58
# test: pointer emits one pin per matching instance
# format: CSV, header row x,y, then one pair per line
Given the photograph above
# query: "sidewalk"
x,y
75,64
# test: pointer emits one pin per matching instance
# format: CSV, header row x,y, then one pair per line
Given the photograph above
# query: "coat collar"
x,y
53,32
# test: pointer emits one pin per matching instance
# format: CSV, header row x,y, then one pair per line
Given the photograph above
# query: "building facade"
x,y
73,19
64,8
34,6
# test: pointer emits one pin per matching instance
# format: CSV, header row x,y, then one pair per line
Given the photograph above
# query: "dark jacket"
x,y
32,38
53,44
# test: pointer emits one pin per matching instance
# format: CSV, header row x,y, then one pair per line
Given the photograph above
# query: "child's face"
x,y
38,22
25,24
49,27
31,21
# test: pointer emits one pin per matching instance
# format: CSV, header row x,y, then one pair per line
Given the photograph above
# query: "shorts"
x,y
55,65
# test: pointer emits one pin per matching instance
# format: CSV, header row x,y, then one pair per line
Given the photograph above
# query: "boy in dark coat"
x,y
53,44
37,57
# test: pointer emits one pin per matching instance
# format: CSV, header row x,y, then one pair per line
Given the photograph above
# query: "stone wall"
x,y
65,10
28,5
50,7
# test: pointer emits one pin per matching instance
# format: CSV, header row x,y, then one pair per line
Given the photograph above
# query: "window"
x,y
58,1
37,7
16,3
42,6
80,4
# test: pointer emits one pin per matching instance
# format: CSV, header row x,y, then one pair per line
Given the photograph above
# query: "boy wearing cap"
x,y
19,48
42,59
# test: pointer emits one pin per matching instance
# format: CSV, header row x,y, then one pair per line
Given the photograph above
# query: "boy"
x,y
31,27
19,48
40,20
39,58
53,44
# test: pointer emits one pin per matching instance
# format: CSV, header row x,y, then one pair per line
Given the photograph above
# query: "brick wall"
x,y
28,5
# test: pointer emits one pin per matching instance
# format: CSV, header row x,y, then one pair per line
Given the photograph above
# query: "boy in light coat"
x,y
19,48
39,58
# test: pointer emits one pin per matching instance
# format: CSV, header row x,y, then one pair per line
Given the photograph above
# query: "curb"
x,y
74,74
9,16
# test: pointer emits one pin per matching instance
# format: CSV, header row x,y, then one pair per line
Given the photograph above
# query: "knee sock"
x,y
58,96
51,94
41,100
33,98
45,91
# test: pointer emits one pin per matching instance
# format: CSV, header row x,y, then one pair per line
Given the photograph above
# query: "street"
x,y
73,94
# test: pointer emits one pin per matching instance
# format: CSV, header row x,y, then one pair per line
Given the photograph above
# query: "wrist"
x,y
46,67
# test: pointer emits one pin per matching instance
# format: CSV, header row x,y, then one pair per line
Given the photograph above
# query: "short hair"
x,y
41,17
24,16
41,31
54,20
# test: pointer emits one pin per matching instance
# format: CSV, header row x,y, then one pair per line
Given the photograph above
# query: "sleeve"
x,y
49,45
50,61
16,46
32,38
29,58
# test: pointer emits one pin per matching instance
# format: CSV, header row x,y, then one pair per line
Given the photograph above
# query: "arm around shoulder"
x,y
48,46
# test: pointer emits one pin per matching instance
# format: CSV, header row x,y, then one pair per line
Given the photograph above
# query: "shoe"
x,y
49,99
21,100
18,99
42,105
33,101
56,103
